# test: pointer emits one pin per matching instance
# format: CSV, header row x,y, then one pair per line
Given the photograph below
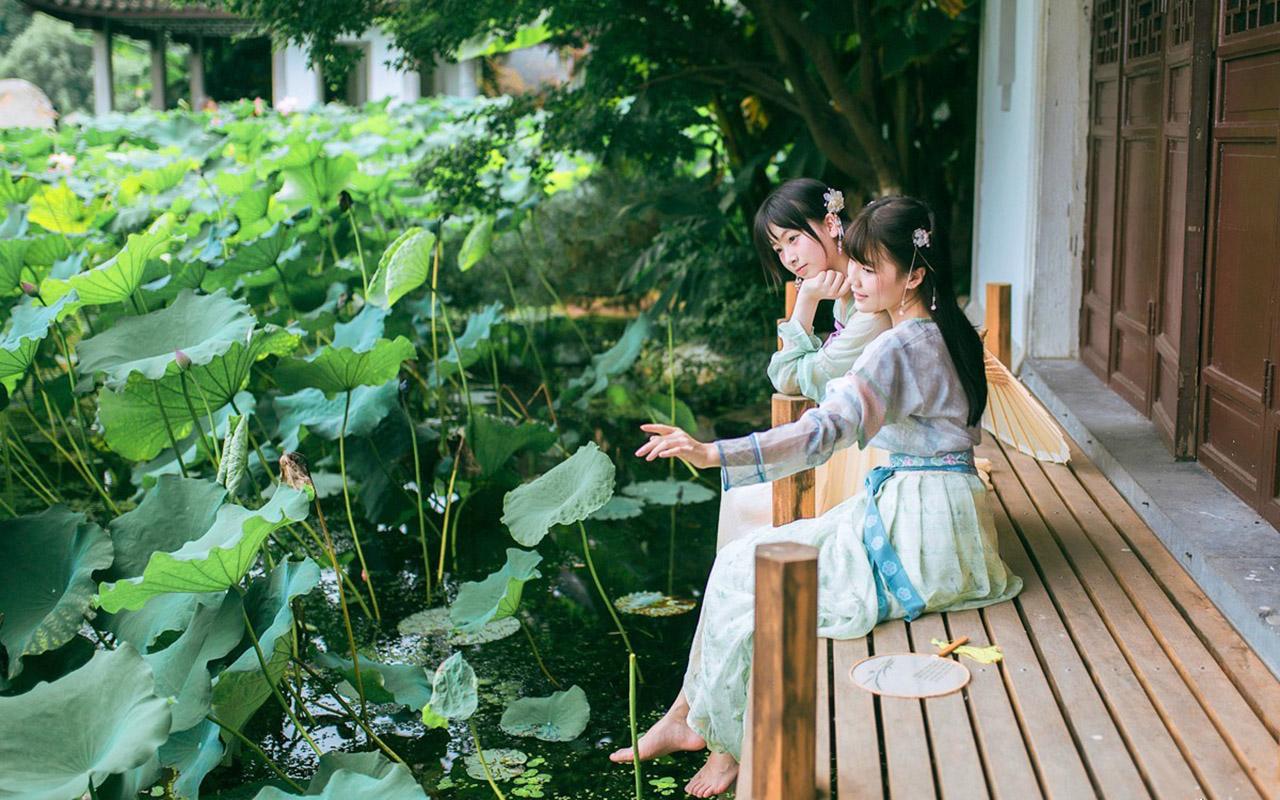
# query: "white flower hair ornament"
x,y
834,200
920,237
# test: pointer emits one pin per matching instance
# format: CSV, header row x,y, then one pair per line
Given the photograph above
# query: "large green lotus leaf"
x,y
30,325
16,188
13,254
204,326
121,275
131,418
617,508
561,717
47,561
242,687
102,719
669,492
405,265
57,209
468,348
193,754
363,331
49,666
455,691
406,684
476,245
614,361
318,182
344,776
496,596
565,494
494,440
175,511
275,245
337,369
323,416
160,615
144,474
182,669
213,562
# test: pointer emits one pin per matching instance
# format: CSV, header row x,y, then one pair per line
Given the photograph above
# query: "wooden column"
x,y
195,69
794,497
103,79
999,310
784,686
158,42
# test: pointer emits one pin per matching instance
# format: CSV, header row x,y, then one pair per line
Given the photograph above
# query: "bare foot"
x,y
668,735
715,777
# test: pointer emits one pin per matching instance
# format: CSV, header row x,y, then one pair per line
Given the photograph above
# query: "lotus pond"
x,y
279,517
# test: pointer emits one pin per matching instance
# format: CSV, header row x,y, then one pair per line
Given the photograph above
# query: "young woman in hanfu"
x,y
800,229
920,538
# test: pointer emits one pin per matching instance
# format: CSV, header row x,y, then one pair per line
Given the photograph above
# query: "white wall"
x,y
291,77
1032,127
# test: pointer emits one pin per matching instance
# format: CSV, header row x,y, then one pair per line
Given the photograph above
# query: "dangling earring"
x,y
799,281
933,306
840,241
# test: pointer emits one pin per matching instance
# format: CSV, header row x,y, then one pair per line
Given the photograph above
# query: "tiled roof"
x,y
137,17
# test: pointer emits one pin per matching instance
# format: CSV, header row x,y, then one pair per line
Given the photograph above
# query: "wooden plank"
x,y
955,753
1073,711
794,497
857,741
822,733
1240,663
1004,753
1196,735
906,746
786,647
999,322
1163,766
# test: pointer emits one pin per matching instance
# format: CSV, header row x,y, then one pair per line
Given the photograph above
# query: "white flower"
x,y
920,237
834,200
61,162
287,105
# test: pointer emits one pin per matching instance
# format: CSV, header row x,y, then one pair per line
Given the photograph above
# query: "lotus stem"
x,y
355,232
462,371
435,341
93,792
213,427
252,745
475,737
528,337
168,428
608,604
537,655
195,419
327,546
422,515
77,460
262,662
315,537
631,705
333,692
448,506
346,499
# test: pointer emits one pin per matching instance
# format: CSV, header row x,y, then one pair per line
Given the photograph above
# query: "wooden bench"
x,y
1120,679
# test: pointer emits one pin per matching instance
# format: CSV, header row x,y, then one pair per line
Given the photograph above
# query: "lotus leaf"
x,y
202,326
182,669
497,596
503,763
104,718
160,615
561,717
454,689
193,754
436,622
216,560
494,440
131,418
121,275
13,253
317,181
338,369
468,348
47,561
16,188
350,775
49,666
669,492
614,361
30,325
653,604
176,511
323,416
241,688
567,493
476,246
57,209
406,684
618,508
274,246
405,265
363,331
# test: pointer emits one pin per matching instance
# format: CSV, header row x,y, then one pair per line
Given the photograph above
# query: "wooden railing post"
x,y
998,313
784,687
794,497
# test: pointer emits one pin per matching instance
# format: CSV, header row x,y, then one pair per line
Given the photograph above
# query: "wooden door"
x,y
1241,336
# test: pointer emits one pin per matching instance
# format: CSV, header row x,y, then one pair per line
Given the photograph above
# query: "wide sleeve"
x,y
805,366
880,389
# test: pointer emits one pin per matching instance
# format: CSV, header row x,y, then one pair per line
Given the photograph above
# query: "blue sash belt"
x,y
886,567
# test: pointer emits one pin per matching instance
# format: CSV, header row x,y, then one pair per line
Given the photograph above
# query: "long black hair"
x,y
886,230
792,206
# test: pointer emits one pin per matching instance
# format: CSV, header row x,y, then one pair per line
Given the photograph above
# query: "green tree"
x,y
14,19
50,54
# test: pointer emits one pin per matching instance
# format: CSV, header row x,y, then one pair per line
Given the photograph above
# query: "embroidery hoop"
x,y
952,676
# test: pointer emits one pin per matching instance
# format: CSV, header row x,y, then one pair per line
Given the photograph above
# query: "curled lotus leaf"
x,y
653,604
669,492
476,244
100,720
340,369
213,562
201,326
569,492
405,265
47,561
498,595
28,327
614,361
455,691
560,717
467,348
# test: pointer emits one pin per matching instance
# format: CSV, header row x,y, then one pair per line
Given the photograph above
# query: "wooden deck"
x,y
1120,679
